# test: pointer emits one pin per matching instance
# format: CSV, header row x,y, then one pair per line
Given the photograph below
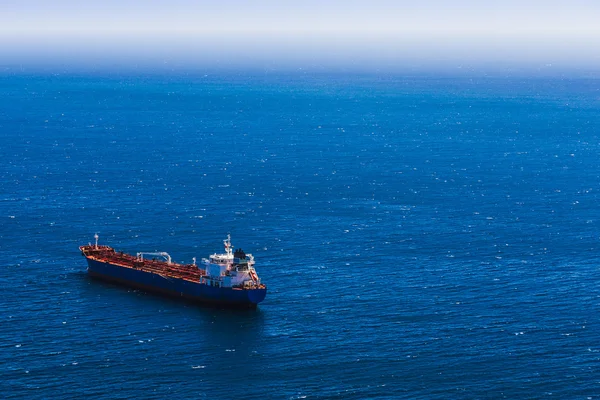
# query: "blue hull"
x,y
196,292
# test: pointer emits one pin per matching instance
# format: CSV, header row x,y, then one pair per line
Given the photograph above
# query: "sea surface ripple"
x,y
420,237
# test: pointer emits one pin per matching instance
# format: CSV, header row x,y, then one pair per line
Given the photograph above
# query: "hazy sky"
x,y
301,32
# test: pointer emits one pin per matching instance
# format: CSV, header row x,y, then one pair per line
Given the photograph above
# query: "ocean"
x,y
421,237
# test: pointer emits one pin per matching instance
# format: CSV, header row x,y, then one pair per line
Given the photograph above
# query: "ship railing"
x,y
184,271
250,284
189,272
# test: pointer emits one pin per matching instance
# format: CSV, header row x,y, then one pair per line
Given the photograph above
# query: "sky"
x,y
297,34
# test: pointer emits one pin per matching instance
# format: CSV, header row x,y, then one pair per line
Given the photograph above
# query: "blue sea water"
x,y
421,237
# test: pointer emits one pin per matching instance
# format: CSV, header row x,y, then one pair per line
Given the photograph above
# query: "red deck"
x,y
189,272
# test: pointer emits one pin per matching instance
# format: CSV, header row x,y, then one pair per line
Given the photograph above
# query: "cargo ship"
x,y
225,279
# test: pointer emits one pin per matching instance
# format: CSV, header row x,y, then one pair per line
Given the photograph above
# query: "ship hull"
x,y
180,288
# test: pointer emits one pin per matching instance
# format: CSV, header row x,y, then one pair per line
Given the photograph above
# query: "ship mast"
x,y
227,243
96,237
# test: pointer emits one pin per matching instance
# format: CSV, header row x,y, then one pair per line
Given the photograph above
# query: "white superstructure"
x,y
230,269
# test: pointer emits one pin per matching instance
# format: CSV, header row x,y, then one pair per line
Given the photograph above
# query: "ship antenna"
x,y
96,237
